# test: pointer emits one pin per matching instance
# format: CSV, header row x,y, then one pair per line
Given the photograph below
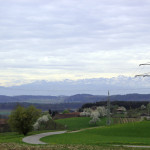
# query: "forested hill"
x,y
78,98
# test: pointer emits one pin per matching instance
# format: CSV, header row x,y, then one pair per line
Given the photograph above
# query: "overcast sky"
x,y
72,39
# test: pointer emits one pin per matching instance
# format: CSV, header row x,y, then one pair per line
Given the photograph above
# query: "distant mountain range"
x,y
79,98
96,86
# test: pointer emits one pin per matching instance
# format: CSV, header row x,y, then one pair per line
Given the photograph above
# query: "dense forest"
x,y
126,104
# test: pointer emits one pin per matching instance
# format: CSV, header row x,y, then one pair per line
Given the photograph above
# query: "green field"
x,y
100,138
137,133
13,137
78,123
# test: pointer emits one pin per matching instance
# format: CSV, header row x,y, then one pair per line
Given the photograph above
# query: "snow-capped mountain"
x,y
96,86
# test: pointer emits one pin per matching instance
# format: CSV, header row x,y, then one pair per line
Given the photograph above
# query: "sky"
x,y
72,39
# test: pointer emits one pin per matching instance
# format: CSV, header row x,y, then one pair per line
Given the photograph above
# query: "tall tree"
x,y
22,119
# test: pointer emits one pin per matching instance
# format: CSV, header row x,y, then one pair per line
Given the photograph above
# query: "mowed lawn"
x,y
78,123
137,133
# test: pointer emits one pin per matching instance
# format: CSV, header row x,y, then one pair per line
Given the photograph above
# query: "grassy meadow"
x,y
78,123
137,133
13,137
100,138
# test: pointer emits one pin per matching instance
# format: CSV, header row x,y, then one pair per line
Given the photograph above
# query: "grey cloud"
x,y
74,37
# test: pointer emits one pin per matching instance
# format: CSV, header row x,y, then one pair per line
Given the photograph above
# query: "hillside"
x,y
78,98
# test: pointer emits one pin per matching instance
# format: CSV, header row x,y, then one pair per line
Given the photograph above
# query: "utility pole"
x,y
108,110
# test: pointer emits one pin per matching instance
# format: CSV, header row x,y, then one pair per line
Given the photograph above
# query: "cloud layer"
x,y
67,39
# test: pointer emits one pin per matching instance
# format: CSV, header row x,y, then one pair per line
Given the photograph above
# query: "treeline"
x,y
127,104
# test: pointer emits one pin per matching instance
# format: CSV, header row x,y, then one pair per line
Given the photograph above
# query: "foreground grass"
x,y
12,146
78,123
137,133
13,137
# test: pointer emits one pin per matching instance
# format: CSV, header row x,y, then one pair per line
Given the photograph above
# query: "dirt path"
x,y
35,139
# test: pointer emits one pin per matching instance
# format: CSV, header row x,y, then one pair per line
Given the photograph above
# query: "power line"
x,y
144,74
144,64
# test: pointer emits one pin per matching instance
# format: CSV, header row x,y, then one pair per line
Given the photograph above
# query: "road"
x,y
35,139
